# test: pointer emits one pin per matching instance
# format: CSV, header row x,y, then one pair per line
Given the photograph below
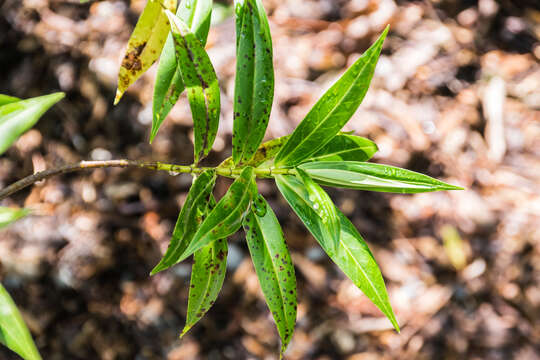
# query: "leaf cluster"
x,y
315,154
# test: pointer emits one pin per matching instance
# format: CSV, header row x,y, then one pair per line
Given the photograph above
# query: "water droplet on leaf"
x,y
259,206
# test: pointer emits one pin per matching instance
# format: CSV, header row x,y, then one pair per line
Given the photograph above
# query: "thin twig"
x,y
42,175
173,169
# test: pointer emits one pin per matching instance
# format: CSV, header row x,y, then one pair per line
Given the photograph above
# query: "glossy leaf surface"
x,y
201,84
13,331
19,116
352,255
323,206
333,109
226,218
345,147
357,262
373,177
189,219
207,275
9,215
145,43
273,266
196,14
6,99
254,86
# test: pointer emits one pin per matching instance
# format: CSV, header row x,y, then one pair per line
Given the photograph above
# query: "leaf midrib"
x,y
396,182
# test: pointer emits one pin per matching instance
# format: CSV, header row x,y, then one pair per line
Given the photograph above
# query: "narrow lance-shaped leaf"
x,y
333,109
373,177
196,14
18,116
324,208
273,266
352,256
189,219
254,86
207,274
13,331
226,218
201,84
145,43
9,215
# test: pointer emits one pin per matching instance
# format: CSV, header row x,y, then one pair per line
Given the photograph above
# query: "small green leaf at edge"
x,y
254,82
373,177
207,275
201,83
273,266
6,99
226,218
19,116
10,215
364,271
169,83
13,331
333,110
322,205
189,219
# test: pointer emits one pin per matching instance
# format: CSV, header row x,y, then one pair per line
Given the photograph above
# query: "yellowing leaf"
x,y
145,43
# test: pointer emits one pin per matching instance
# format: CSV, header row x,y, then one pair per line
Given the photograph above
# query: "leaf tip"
x,y
158,268
184,331
118,96
454,187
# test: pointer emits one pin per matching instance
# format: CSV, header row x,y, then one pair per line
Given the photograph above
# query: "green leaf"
x,y
201,83
189,219
6,99
254,86
9,215
226,218
145,43
19,116
207,274
273,266
357,262
341,147
266,152
352,256
373,177
13,331
345,147
196,14
333,109
323,206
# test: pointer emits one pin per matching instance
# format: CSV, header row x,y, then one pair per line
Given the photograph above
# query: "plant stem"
x,y
173,169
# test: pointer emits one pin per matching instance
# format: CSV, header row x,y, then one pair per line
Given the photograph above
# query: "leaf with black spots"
x,y
273,266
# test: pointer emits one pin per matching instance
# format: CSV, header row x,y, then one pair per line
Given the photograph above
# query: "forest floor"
x,y
456,95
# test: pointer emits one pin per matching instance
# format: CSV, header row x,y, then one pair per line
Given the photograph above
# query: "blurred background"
x,y
456,95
